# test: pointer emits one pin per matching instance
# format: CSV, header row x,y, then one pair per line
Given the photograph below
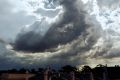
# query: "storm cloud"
x,y
64,32
70,26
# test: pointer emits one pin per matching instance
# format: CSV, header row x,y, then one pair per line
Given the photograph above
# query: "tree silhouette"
x,y
68,68
22,70
86,69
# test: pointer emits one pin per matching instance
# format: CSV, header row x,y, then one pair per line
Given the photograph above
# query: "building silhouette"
x,y
65,73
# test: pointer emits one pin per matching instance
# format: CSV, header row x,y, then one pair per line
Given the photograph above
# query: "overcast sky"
x,y
59,32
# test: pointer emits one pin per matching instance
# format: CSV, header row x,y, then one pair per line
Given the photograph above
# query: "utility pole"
x,y
46,75
91,76
72,75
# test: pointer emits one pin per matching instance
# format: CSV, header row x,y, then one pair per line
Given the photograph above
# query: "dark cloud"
x,y
68,28
28,41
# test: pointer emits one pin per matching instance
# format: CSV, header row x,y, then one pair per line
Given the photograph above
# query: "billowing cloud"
x,y
65,32
70,25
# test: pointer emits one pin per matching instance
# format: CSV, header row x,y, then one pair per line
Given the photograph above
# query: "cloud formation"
x,y
70,25
77,33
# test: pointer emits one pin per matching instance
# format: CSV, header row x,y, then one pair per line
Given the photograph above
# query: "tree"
x,y
86,69
68,68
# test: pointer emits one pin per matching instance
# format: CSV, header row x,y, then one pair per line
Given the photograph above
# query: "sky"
x,y
38,33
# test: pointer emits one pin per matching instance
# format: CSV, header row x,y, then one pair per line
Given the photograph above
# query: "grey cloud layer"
x,y
111,4
70,26
75,38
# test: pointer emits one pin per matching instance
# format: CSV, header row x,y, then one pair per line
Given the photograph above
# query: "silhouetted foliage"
x,y
22,70
86,69
68,68
98,73
40,69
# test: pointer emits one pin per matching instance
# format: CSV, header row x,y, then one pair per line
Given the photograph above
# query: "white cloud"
x,y
10,21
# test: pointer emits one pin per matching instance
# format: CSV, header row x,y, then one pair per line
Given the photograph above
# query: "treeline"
x,y
100,72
